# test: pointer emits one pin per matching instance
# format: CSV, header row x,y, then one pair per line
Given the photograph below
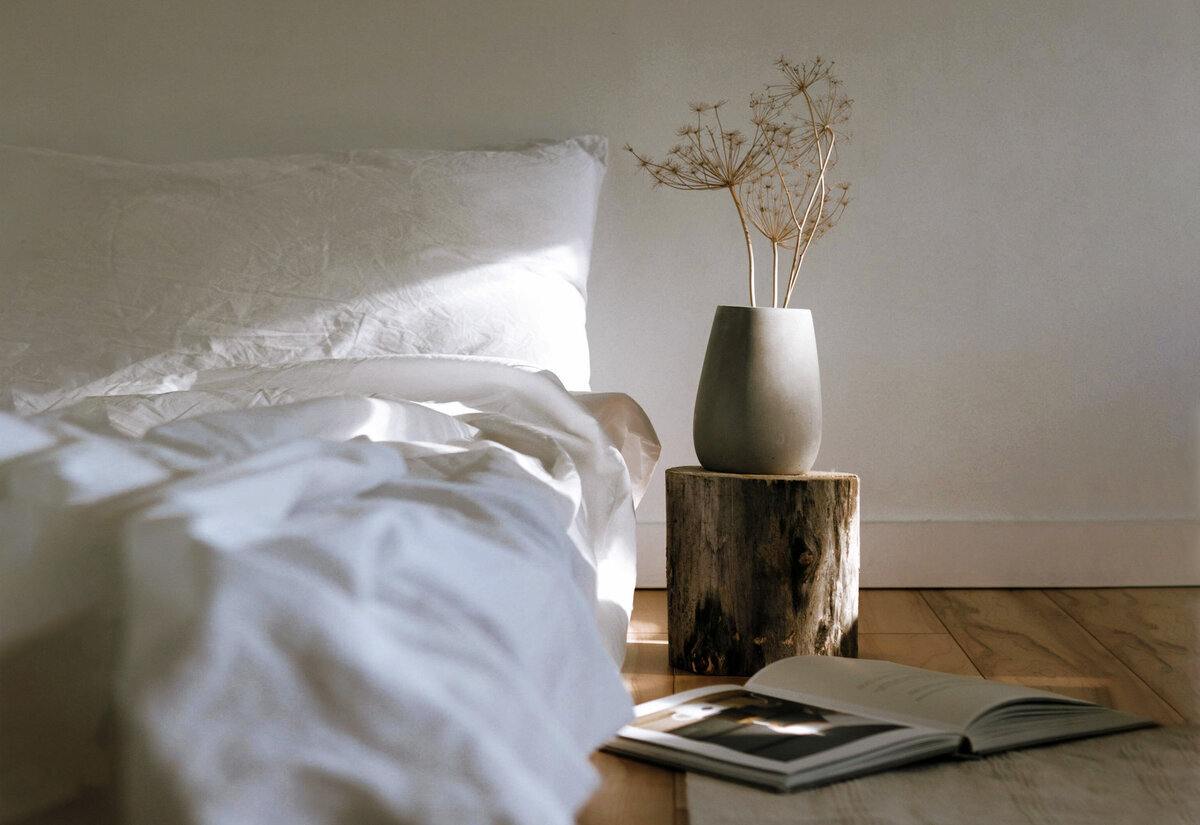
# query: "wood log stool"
x,y
760,568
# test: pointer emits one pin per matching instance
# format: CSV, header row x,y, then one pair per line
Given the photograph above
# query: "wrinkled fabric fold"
x,y
388,590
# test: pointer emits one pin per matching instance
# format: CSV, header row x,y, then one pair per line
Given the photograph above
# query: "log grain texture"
x,y
760,568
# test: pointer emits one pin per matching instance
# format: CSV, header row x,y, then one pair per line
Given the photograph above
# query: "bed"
x,y
307,510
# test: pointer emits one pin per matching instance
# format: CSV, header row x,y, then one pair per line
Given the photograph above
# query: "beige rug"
x,y
1149,776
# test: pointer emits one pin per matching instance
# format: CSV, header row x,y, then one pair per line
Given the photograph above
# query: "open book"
x,y
809,720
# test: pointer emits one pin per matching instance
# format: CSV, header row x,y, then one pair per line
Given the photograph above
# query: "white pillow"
x,y
119,277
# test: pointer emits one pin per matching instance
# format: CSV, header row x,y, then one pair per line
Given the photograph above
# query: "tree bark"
x,y
760,568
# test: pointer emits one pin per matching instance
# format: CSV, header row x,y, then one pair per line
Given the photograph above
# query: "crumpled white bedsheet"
x,y
364,591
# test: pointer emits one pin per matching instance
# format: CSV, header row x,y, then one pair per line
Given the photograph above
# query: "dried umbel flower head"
x,y
710,157
778,176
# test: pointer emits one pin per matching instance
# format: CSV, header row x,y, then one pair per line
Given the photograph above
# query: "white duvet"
x,y
385,590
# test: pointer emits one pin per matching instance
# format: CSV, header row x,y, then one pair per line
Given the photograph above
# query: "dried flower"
x,y
778,176
711,158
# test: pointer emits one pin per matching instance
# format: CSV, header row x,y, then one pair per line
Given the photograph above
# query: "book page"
x,y
732,724
906,694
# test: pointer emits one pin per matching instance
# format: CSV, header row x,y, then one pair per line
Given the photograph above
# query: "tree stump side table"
x,y
760,568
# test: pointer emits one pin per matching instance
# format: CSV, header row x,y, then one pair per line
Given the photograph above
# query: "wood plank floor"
x,y
1135,649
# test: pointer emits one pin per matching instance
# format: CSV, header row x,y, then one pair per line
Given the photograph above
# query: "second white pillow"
x,y
121,277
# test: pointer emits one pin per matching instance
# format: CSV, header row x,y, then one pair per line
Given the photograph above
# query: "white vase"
x,y
758,407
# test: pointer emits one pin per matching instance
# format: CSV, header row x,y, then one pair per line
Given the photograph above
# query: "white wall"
x,y
1008,316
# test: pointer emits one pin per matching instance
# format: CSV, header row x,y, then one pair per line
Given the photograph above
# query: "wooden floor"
x,y
1131,649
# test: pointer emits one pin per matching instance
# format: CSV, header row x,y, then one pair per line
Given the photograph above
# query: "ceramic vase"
x,y
758,407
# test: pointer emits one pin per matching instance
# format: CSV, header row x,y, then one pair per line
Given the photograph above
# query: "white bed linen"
x,y
140,275
339,591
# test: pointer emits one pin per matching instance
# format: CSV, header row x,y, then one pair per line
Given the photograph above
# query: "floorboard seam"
x,y
950,633
1115,654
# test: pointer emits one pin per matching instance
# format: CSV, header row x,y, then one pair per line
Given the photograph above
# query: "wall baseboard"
x,y
1002,554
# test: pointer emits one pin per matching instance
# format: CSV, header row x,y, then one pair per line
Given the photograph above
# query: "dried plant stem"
x,y
821,188
797,222
774,245
774,273
801,250
746,233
